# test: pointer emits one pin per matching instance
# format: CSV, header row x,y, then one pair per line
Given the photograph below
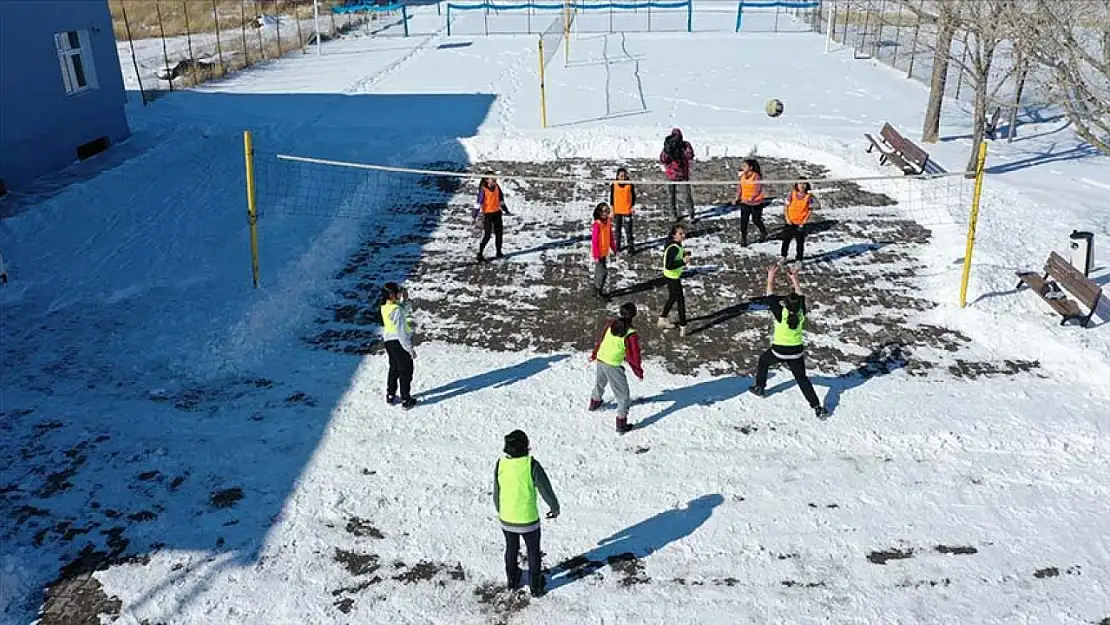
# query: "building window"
x,y
75,56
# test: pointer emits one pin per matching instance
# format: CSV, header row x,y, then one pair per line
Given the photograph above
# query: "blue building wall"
x,y
40,124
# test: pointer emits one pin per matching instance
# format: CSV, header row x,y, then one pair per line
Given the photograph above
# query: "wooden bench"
x,y
1064,275
990,127
898,150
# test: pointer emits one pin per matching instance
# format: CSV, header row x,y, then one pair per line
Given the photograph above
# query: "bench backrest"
x,y
1067,276
904,146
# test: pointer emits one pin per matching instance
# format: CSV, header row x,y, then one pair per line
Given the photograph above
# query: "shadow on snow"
x,y
93,441
638,541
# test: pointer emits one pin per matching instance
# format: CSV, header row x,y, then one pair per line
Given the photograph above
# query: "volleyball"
x,y
774,108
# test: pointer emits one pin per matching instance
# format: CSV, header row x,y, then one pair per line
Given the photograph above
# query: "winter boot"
x,y
622,426
756,390
595,404
539,584
391,399
820,412
408,403
743,240
514,580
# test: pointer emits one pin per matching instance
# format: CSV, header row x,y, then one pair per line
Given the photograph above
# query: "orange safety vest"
x,y
491,199
604,237
798,208
622,198
751,190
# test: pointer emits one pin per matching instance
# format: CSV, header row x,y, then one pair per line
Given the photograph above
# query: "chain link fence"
x,y
173,44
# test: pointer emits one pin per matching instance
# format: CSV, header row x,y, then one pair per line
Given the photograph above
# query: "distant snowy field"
x,y
179,454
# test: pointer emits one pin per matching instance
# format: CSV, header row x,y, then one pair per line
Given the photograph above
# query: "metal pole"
x,y
252,212
543,92
972,222
316,24
219,46
165,54
189,40
134,59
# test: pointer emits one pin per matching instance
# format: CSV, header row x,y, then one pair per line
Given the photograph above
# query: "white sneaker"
x,y
682,331
664,323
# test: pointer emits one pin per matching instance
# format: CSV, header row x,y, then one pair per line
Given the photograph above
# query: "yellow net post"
x,y
543,91
568,19
972,221
252,213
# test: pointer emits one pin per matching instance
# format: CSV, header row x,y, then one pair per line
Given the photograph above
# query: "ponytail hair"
x,y
793,305
753,165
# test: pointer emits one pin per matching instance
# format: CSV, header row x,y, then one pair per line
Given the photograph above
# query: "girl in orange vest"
x,y
749,195
602,244
622,197
799,206
490,205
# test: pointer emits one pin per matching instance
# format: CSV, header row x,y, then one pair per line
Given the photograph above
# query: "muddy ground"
x,y
860,275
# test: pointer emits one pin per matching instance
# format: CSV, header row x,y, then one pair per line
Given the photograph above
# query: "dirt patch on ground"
x,y
860,275
882,557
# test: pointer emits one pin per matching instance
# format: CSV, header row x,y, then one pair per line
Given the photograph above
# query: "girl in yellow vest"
x,y
749,195
788,345
799,207
675,257
601,245
397,337
516,480
622,197
617,344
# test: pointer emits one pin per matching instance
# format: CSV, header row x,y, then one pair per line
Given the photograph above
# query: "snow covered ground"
x,y
178,452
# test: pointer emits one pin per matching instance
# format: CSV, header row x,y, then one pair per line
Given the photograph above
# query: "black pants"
x,y
491,224
795,232
675,296
753,213
797,366
620,223
512,553
688,192
400,370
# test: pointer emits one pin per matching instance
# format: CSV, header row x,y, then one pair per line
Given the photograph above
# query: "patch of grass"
x,y
179,17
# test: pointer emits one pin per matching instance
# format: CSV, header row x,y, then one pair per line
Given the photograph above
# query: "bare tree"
x,y
984,24
1063,42
940,14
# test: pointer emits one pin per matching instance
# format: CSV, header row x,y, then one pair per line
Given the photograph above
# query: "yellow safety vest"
x,y
517,493
673,274
784,335
612,349
387,321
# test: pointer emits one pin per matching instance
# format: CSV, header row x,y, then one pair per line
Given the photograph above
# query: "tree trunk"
x,y
931,131
981,77
1106,45
1023,70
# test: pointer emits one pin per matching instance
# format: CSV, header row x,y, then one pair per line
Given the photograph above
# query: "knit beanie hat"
x,y
516,444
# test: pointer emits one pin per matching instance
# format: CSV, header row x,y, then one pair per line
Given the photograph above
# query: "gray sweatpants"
x,y
614,377
601,271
